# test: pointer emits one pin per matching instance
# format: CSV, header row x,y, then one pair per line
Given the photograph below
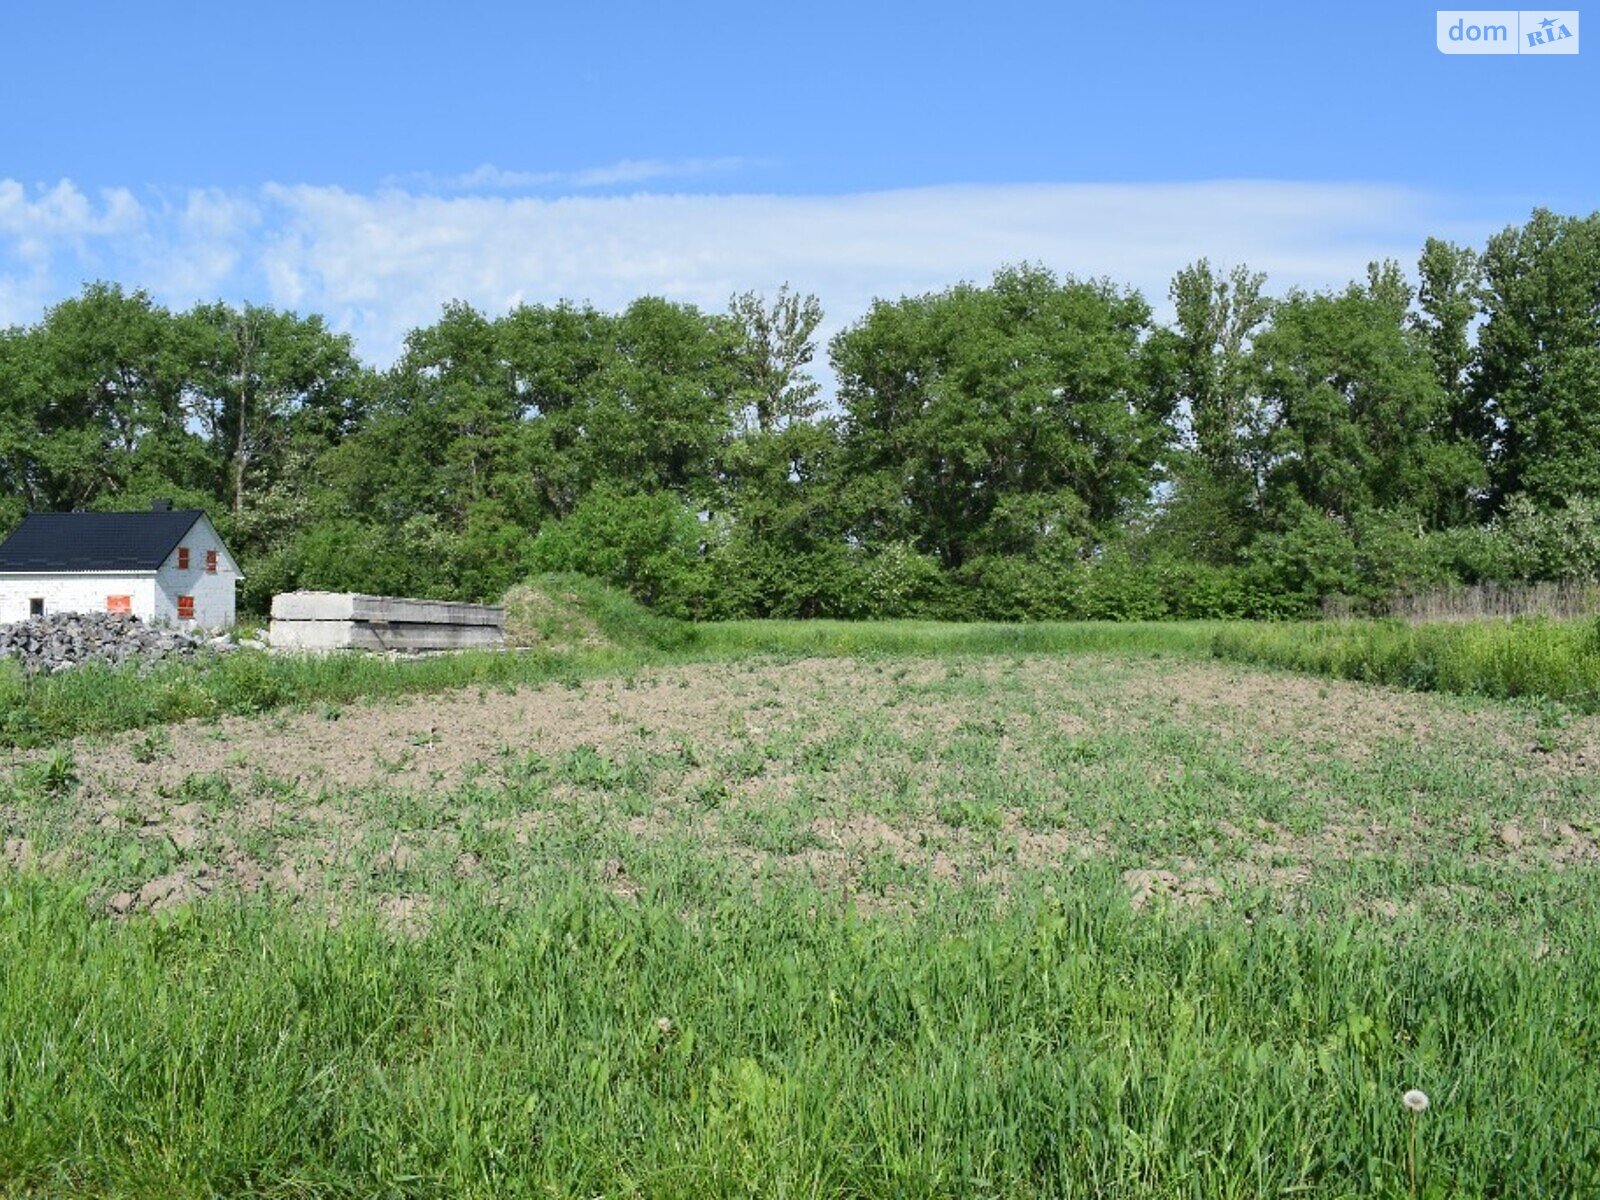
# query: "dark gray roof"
x,y
95,541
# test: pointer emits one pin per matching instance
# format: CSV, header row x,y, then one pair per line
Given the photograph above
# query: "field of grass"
x,y
101,700
924,638
890,924
1543,661
569,627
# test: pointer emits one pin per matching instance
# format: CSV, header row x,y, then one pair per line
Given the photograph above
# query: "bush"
x,y
899,581
752,577
414,558
1553,545
650,543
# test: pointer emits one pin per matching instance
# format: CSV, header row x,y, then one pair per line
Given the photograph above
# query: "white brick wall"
x,y
79,591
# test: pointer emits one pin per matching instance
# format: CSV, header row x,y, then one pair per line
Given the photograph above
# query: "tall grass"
x,y
784,1047
1532,658
946,637
618,616
1570,600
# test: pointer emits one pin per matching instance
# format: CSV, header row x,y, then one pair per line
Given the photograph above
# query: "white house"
x,y
163,566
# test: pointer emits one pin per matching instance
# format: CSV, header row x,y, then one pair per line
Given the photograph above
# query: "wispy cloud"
x,y
379,263
628,171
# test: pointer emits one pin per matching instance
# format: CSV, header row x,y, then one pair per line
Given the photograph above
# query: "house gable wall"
x,y
213,593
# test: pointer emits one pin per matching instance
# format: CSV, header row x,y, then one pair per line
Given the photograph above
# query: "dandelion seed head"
x,y
1415,1100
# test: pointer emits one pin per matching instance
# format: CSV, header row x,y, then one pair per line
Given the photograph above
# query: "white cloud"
x,y
197,244
491,178
64,212
389,260
379,263
50,232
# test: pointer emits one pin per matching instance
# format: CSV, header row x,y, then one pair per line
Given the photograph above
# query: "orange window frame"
x,y
211,562
183,558
185,608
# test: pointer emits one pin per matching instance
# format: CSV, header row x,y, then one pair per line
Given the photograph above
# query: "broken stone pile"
x,y
48,645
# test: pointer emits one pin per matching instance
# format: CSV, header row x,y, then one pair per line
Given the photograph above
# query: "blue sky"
x,y
371,161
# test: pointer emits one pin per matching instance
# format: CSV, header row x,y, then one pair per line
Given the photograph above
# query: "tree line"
x,y
1038,446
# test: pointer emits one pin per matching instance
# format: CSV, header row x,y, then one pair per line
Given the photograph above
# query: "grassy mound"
x,y
565,612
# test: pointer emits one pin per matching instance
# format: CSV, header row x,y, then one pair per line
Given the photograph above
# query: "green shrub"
x,y
649,543
899,581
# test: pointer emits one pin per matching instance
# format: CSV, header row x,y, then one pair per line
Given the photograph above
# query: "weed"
x,y
50,779
157,743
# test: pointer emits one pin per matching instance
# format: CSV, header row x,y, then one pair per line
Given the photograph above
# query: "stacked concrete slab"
x,y
349,621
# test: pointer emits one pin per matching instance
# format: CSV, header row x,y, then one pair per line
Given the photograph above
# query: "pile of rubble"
x,y
47,645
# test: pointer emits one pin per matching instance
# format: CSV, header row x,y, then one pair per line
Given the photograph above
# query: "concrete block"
x,y
362,635
396,611
352,621
314,606
354,606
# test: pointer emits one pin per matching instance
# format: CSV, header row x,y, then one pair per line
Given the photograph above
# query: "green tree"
x,y
645,399
93,398
1362,421
1449,294
781,549
669,403
986,420
1538,368
255,377
443,437
1217,319
776,342
1218,465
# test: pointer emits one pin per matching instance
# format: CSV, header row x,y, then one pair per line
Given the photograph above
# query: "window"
x,y
119,604
211,562
185,608
36,606
183,558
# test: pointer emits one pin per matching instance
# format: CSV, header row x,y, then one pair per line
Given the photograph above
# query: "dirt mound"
x,y
574,612
551,618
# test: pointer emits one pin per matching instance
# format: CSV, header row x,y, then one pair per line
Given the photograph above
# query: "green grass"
x,y
462,995
96,700
1525,658
904,638
562,609
782,1047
